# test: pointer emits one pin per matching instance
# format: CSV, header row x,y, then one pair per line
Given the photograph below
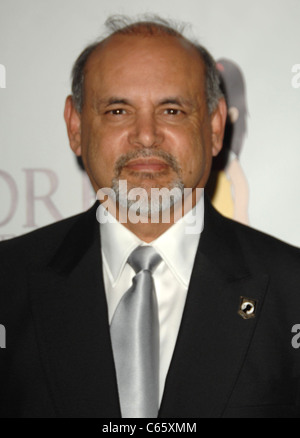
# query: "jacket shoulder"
x,y
251,239
266,241
37,245
253,250
265,251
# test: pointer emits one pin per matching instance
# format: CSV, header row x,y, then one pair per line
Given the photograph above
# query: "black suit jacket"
x,y
58,359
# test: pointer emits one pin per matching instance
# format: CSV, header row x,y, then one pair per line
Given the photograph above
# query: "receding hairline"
x,y
142,31
153,27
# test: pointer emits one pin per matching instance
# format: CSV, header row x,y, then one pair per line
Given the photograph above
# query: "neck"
x,y
148,232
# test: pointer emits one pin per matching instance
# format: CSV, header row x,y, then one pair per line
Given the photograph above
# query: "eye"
x,y
172,112
116,112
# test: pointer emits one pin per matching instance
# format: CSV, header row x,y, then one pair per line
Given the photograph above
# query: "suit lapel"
x,y
213,340
70,313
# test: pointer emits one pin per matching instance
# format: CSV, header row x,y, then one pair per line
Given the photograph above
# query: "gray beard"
x,y
150,202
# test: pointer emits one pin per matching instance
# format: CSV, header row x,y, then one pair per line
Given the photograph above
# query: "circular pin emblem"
x,y
247,308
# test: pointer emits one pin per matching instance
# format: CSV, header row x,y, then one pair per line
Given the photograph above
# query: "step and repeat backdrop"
x,y
257,47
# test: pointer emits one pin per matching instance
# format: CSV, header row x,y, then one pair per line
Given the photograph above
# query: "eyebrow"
x,y
175,101
115,100
110,101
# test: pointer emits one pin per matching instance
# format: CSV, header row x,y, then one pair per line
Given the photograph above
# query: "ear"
x,y
218,122
73,122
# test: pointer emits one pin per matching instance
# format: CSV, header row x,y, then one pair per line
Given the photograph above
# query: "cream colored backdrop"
x,y
39,179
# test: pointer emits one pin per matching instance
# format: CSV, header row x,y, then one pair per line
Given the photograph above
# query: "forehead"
x,y
133,61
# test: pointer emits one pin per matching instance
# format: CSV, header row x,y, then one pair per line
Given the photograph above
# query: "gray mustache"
x,y
146,153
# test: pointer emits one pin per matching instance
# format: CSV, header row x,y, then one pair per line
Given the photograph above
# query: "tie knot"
x,y
144,258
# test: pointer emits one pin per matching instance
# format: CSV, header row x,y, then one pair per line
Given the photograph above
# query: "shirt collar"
x,y
117,244
177,246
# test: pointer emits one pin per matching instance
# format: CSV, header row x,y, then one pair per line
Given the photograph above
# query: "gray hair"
x,y
152,26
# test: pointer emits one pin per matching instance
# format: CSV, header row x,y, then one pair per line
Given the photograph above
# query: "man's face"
x,y
145,118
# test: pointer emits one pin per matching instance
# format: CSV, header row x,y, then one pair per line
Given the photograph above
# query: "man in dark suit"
x,y
146,109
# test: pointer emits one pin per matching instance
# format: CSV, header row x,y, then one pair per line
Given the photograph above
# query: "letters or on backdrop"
x,y
257,47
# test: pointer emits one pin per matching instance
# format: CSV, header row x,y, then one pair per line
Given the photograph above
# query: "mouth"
x,y
147,165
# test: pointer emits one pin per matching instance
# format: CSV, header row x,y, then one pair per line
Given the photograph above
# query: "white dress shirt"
x,y
177,247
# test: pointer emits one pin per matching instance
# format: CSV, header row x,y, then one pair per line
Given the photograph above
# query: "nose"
x,y
146,132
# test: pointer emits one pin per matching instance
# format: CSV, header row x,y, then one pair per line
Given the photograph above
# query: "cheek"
x,y
196,164
190,152
100,151
193,152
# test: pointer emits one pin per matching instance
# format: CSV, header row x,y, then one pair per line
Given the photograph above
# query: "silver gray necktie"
x,y
135,339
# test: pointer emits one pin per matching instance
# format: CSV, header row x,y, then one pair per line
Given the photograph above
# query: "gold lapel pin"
x,y
247,308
